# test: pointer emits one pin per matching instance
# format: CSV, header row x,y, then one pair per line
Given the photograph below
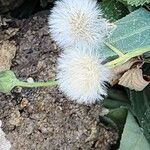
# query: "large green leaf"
x,y
118,116
132,137
140,105
116,98
132,31
113,10
136,2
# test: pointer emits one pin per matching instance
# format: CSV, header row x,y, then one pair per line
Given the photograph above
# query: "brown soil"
x,y
43,118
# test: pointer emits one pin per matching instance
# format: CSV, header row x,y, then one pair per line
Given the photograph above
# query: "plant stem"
x,y
117,51
36,84
121,60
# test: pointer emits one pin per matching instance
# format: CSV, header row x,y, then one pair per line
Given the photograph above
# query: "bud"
x,y
8,81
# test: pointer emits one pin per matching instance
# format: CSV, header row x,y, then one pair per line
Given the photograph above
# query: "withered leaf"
x,y
133,79
8,51
120,70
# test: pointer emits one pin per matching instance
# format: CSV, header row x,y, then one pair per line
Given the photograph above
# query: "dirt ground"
x,y
43,118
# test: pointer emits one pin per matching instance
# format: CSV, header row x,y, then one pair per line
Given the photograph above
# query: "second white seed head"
x,y
81,76
77,23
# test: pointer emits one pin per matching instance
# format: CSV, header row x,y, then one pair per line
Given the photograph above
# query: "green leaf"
x,y
8,81
132,137
116,98
113,10
118,94
132,32
140,106
136,2
118,116
111,103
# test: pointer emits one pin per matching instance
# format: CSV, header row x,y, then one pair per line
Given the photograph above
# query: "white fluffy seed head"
x,y
81,76
77,23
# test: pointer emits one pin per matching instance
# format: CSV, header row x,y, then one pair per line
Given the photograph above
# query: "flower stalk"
x,y
8,79
119,61
125,57
36,84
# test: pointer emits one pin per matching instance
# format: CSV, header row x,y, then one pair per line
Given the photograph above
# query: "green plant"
x,y
132,33
129,109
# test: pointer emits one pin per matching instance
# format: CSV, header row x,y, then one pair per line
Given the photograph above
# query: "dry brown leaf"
x,y
127,65
133,79
7,51
120,70
115,79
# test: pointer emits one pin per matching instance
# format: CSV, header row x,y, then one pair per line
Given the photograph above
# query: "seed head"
x,y
77,23
81,76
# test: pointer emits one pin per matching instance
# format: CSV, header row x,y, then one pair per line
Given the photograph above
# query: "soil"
x,y
43,118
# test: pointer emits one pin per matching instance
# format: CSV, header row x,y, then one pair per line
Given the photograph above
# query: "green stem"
x,y
36,84
121,60
117,51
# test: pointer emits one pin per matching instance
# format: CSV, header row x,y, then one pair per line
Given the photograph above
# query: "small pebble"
x,y
30,80
24,103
